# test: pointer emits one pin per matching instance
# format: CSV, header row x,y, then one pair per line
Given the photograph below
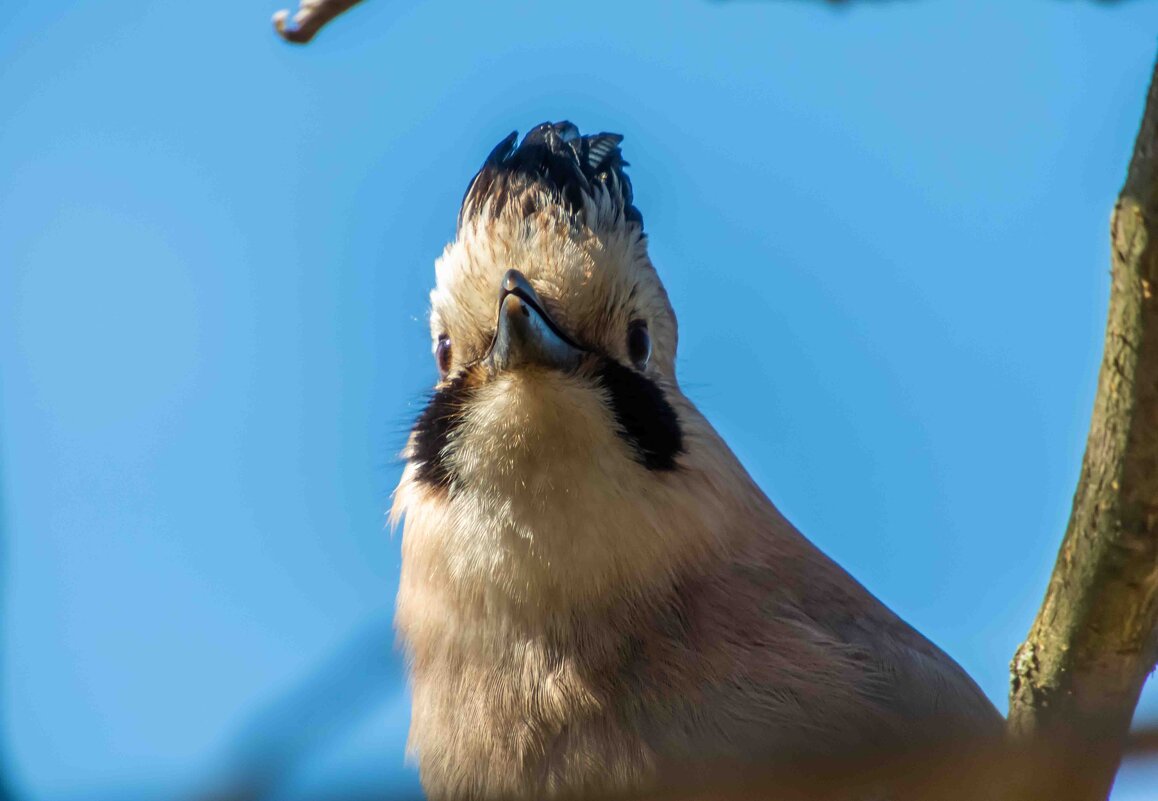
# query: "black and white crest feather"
x,y
555,157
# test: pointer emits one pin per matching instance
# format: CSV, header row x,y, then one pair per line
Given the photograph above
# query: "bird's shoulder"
x,y
802,624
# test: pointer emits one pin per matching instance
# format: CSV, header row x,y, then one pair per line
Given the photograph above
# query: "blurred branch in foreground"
x,y
6,792
336,696
970,772
340,692
1077,677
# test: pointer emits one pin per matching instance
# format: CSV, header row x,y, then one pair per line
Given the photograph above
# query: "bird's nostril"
x,y
515,306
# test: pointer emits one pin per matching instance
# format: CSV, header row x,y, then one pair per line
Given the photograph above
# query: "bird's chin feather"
x,y
520,421
543,495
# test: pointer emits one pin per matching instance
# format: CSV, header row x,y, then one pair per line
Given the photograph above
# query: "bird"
x,y
594,593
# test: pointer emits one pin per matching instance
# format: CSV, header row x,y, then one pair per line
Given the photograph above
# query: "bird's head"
x,y
556,454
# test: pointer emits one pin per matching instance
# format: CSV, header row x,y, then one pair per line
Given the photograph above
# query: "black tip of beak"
x,y
525,333
515,280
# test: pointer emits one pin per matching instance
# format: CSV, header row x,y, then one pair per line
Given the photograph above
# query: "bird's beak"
x,y
525,333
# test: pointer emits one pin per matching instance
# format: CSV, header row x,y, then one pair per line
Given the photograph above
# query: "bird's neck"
x,y
557,529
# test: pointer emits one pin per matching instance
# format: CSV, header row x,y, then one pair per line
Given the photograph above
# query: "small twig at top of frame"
x,y
311,17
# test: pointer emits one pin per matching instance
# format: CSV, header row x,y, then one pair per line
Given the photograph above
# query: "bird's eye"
x,y
442,355
638,344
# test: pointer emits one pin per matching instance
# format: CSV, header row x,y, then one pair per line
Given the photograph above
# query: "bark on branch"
x,y
1077,677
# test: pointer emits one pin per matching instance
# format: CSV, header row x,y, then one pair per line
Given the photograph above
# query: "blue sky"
x,y
883,227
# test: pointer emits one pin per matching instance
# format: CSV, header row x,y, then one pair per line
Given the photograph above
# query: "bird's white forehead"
x,y
590,280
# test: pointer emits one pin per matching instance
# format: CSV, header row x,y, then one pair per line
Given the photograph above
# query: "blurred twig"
x,y
968,771
6,791
313,15
335,696
972,771
310,17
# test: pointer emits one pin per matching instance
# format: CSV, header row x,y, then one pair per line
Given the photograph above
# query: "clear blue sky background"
x,y
884,229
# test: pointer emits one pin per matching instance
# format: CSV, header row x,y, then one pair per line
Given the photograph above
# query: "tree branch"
x,y
1077,677
311,16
